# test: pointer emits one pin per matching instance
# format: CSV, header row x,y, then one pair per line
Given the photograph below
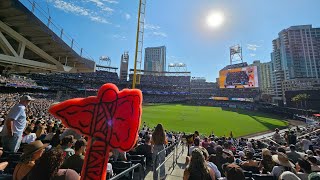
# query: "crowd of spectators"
x,y
75,81
17,81
48,150
163,80
238,93
292,155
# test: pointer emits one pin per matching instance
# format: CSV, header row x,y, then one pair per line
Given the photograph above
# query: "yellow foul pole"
x,y
137,48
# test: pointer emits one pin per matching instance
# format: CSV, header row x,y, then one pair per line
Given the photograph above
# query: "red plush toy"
x,y
110,120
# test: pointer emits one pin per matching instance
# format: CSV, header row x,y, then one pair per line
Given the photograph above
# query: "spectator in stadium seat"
x,y
145,149
317,154
276,136
306,143
292,138
198,169
303,167
211,148
75,161
221,158
266,164
293,155
31,153
119,155
233,172
14,125
249,147
158,142
272,148
66,146
68,132
48,167
250,164
55,141
261,145
227,148
215,169
313,162
241,158
283,164
282,149
28,137
205,143
41,132
196,144
37,124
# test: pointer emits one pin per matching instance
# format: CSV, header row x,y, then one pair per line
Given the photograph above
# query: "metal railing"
x,y
174,154
129,170
42,15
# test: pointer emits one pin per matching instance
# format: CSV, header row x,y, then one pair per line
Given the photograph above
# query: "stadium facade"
x,y
155,59
295,55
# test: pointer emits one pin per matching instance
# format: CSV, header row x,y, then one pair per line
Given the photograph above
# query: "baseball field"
x,y
209,120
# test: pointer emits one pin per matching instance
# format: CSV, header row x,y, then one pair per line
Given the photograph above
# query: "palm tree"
x,y
296,99
304,97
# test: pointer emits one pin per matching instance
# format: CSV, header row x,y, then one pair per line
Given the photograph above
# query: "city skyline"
x,y
108,27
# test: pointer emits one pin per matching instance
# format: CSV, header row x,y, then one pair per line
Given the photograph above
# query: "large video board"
x,y
245,77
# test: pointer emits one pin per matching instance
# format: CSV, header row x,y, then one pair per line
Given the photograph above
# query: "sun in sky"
x,y
215,19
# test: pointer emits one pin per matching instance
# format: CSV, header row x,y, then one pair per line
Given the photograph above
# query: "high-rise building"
x,y
155,59
265,76
296,54
124,66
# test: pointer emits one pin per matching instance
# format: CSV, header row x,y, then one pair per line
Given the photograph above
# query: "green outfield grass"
x,y
210,119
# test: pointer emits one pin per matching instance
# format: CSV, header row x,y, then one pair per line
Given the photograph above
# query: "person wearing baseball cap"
x,y
14,125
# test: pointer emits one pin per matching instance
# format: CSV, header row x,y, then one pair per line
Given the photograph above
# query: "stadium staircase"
x,y
174,166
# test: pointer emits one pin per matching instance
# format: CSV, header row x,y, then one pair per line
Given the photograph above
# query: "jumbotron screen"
x,y
245,77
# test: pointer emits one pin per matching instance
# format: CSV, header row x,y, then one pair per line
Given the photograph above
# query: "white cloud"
x,y
154,30
101,5
127,16
99,19
78,10
252,55
111,1
151,27
252,47
161,34
119,37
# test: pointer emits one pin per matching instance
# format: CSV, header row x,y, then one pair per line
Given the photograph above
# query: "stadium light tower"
x,y
139,44
236,54
177,67
104,61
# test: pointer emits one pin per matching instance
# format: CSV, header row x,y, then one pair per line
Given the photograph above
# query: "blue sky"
x,y
108,28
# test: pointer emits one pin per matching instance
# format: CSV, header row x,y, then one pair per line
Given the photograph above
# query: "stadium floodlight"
x,y
104,58
236,54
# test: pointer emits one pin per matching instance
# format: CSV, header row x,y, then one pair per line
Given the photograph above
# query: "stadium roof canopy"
x,y
29,45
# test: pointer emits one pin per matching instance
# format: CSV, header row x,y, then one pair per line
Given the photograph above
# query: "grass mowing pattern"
x,y
210,119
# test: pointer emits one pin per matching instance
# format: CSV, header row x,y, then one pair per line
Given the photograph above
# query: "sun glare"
x,y
215,20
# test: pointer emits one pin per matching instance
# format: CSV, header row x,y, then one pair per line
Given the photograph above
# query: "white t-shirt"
x,y
215,169
29,138
305,144
109,169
